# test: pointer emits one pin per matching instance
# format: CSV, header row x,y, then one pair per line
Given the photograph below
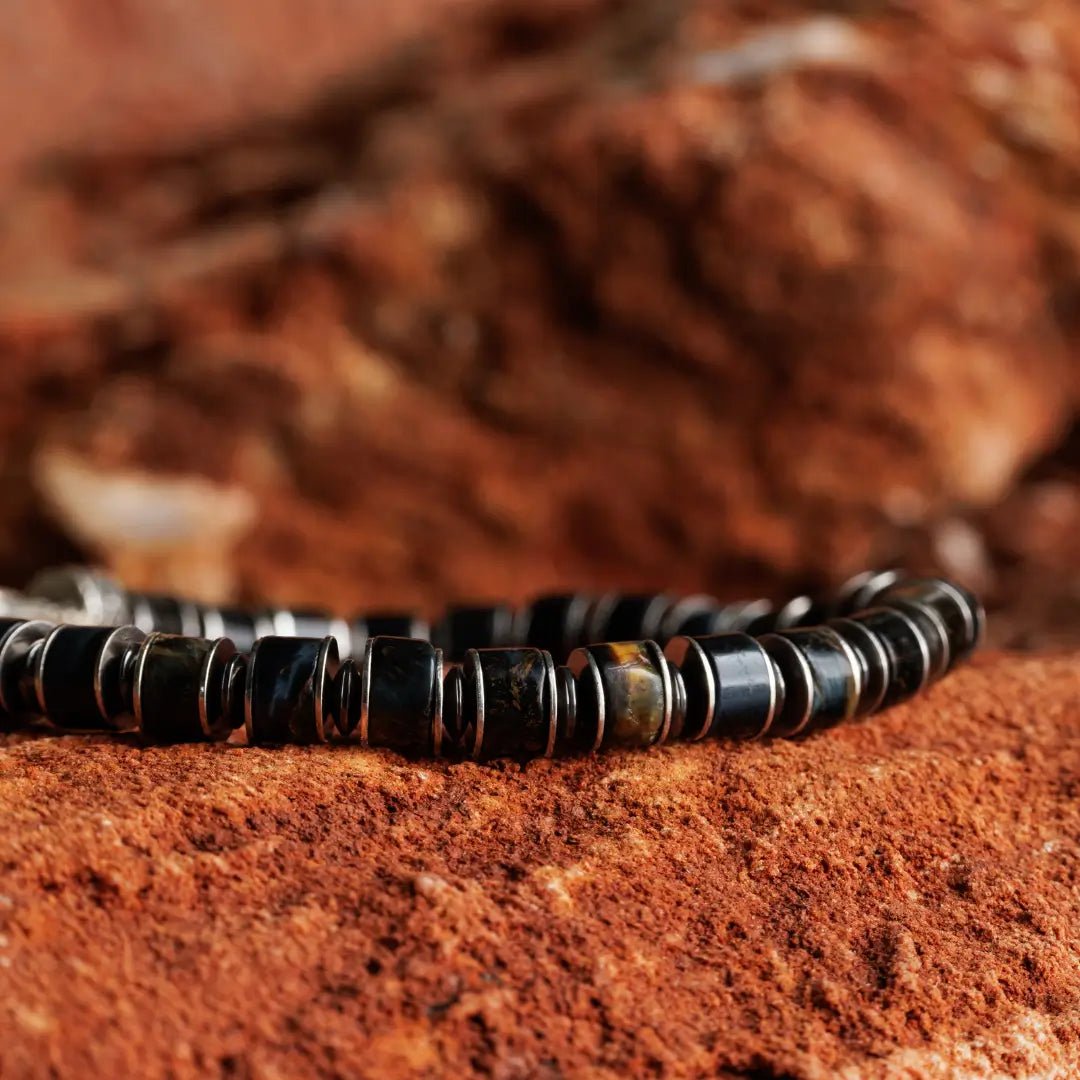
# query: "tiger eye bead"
x,y
624,694
401,706
178,688
287,694
509,703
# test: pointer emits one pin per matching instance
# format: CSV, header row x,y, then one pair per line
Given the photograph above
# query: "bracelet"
x,y
673,668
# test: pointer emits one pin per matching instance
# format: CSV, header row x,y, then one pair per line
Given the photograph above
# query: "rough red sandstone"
x,y
598,294
891,899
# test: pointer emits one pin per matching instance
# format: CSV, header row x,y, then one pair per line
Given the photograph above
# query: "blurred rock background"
x,y
364,304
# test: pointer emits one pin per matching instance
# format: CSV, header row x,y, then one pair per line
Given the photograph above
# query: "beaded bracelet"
x,y
740,671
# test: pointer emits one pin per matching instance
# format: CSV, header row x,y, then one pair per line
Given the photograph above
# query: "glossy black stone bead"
x,y
689,616
453,711
624,695
164,614
386,624
733,690
100,598
958,609
480,627
308,623
861,591
18,647
557,623
795,711
402,696
510,706
909,652
242,627
690,669
565,707
76,674
835,677
799,611
751,617
179,688
873,662
627,618
931,626
287,694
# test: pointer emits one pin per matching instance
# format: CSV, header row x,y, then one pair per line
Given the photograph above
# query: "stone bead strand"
x,y
505,701
558,624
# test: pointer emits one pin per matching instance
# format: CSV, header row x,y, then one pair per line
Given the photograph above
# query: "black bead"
x,y
797,708
18,646
627,618
733,690
689,616
287,696
510,706
386,624
308,623
101,599
835,675
958,609
752,617
800,611
179,689
557,623
687,659
479,627
909,652
873,662
453,710
931,626
402,696
863,589
165,614
75,670
243,628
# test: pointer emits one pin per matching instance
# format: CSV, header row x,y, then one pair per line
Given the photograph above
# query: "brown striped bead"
x,y
624,694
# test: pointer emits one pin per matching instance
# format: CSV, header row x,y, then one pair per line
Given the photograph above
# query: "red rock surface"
x,y
896,898
597,294
393,304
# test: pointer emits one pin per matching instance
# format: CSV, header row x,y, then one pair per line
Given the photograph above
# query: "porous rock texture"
x,y
895,898
595,292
